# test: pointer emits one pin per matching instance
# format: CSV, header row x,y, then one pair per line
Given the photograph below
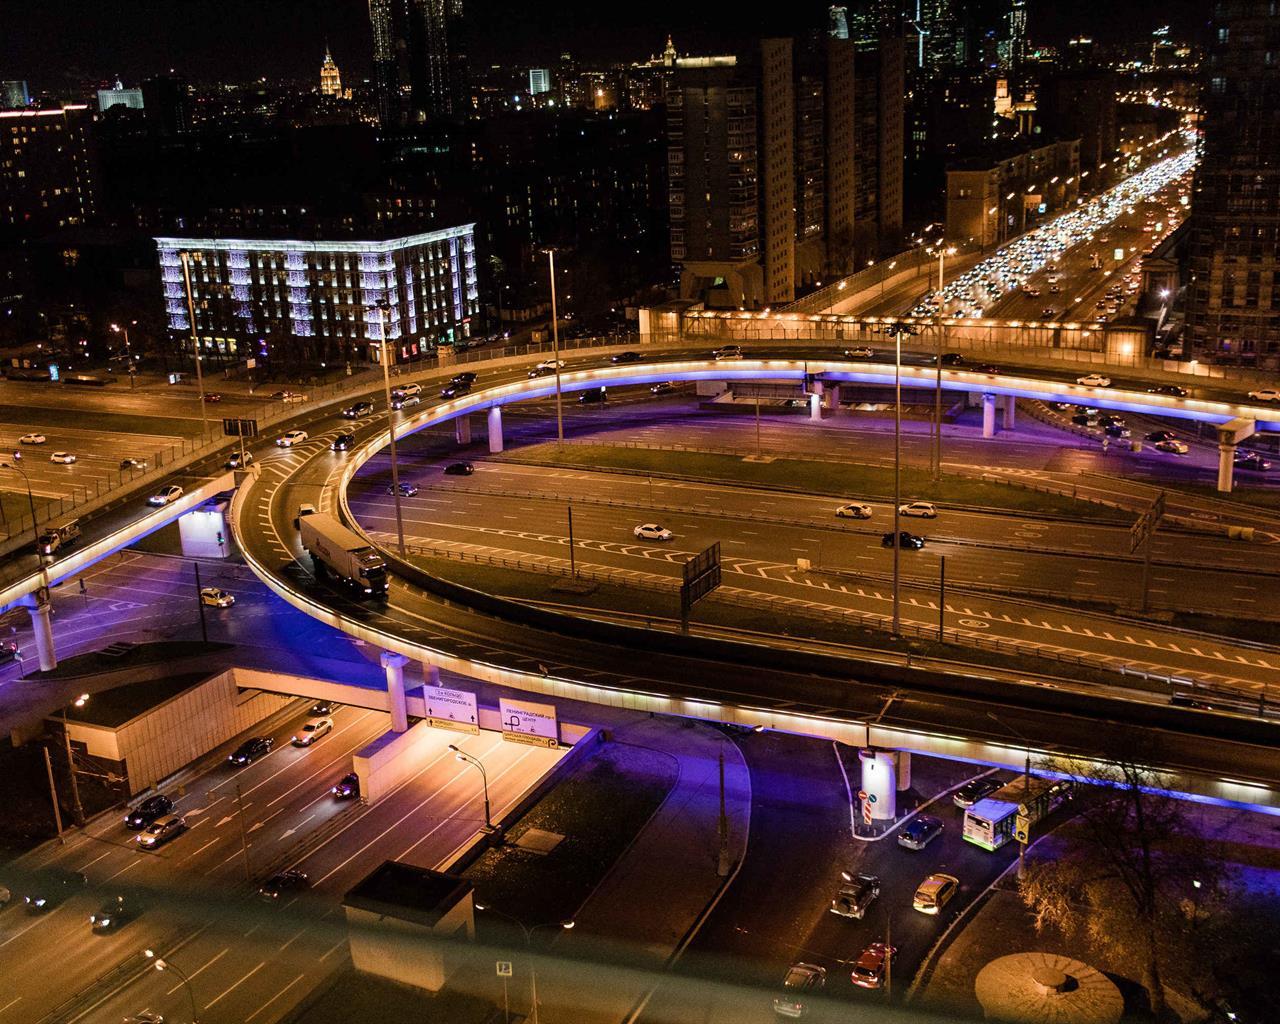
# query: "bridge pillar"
x,y
831,395
988,415
462,430
815,408
394,665
879,782
1226,466
1010,412
38,606
495,430
430,674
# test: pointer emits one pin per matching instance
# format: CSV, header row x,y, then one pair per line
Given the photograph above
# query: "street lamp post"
x,y
465,758
527,931
898,329
195,342
77,807
164,965
386,355
555,344
937,396
128,352
31,501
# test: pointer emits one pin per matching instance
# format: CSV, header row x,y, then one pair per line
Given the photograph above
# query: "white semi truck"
x,y
336,551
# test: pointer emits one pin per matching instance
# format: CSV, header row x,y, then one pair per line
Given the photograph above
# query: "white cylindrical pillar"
x,y
815,407
394,665
43,630
988,415
462,429
879,782
495,429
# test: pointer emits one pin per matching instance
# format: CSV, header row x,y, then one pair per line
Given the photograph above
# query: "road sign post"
x,y
701,577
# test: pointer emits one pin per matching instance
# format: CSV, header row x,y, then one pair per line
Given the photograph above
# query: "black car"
x,y
908,541
952,359
407,490
133,463
986,368
283,882
1116,430
347,788
626,357
974,790
322,708
146,812
1108,419
1250,460
1168,389
9,651
459,469
343,442
250,750
1162,435
1084,419
51,888
354,412
920,831
113,913
455,389
466,377
593,396
662,387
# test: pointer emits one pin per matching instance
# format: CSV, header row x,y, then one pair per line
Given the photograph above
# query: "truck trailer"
x,y
336,551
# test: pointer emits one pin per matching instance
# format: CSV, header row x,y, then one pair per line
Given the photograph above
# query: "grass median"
x,y
847,480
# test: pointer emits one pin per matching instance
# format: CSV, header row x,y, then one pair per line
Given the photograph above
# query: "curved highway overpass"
x,y
847,696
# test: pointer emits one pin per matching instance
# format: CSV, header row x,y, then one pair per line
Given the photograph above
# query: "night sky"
x,y
54,43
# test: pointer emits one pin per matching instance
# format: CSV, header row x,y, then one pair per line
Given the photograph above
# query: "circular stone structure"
x,y
1046,988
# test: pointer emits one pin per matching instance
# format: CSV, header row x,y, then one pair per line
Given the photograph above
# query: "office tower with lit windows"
x,y
386,63
420,67
1233,289
838,22
47,176
14,95
330,77
871,19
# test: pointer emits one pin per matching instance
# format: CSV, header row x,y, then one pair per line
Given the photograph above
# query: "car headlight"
x,y
40,901
104,921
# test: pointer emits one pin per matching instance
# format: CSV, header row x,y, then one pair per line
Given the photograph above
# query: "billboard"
x,y
526,722
451,709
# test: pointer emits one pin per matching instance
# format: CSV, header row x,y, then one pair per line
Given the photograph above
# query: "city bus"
x,y
990,822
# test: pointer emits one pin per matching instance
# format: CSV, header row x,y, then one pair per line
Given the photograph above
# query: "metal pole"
x,y
897,473
1146,566
53,794
888,956
195,348
244,839
387,355
204,625
723,826
533,978
758,452
942,595
573,565
555,344
76,807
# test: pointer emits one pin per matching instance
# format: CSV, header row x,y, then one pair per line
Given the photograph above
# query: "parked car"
x,y
459,469
920,831
358,409
342,443
165,495
652,531
115,912
250,750
161,831
802,980
148,811
974,790
934,893
854,510
855,895
907,541
239,461
920,509
63,458
291,438
1094,380
213,597
407,490
347,787
869,968
313,731
284,882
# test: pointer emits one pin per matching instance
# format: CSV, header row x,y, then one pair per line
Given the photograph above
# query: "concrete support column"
x,y
495,430
1226,466
430,674
815,408
1010,412
39,607
988,415
462,430
394,665
831,394
879,782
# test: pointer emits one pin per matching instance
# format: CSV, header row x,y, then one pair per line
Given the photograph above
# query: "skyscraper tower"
x,y
330,78
386,76
419,64
1017,34
838,22
872,19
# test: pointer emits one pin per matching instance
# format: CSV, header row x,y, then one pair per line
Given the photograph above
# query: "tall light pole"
x,y
195,340
466,758
528,931
555,344
937,396
164,965
898,329
128,352
77,807
31,501
386,354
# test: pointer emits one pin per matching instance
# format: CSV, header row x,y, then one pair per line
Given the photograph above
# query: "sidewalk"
x,y
655,895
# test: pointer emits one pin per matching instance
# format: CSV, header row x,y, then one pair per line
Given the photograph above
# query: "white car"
x,y
312,731
547,366
62,458
652,531
1262,395
165,495
854,510
215,598
31,439
728,352
291,438
1094,380
921,509
861,352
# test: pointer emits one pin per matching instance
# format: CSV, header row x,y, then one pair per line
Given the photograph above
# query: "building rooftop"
x,y
408,893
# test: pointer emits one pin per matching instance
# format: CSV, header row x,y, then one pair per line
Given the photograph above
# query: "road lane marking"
x,y
227,991
201,969
263,1007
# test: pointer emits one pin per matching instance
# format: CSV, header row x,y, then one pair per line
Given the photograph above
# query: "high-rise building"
x,y
14,95
47,179
838,22
166,105
1233,293
386,62
253,295
119,96
420,68
539,81
1017,39
872,19
330,77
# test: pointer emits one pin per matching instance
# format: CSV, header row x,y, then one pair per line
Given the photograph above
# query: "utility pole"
x,y
555,345
386,355
76,807
897,475
758,450
942,596
195,347
888,955
573,563
722,867
53,795
204,626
